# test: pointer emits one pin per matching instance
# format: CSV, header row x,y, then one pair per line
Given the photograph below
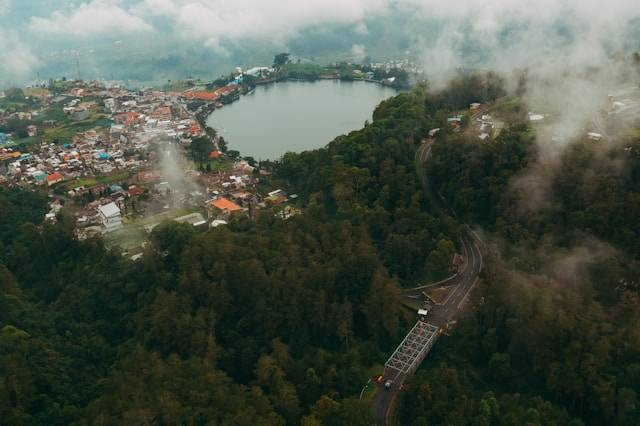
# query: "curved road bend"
x,y
439,315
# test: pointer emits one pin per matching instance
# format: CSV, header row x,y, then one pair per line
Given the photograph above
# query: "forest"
x,y
266,322
554,337
276,322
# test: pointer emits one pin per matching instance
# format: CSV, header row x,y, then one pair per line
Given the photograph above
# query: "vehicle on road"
x,y
388,384
423,313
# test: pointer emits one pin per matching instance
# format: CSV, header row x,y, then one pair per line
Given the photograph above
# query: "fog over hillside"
x,y
155,40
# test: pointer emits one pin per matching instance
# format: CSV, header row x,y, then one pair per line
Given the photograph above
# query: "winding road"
x,y
440,315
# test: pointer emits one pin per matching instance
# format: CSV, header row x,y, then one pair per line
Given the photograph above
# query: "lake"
x,y
296,116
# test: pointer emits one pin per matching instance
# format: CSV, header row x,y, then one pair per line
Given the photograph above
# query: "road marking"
x,y
467,293
466,257
365,386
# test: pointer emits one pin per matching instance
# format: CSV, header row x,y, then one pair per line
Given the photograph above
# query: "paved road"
x,y
439,315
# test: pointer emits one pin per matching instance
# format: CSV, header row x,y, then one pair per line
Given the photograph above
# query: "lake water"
x,y
296,116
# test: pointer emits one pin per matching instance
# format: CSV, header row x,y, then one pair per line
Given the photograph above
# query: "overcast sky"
x,y
442,34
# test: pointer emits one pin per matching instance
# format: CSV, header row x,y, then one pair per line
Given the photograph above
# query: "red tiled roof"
x,y
54,176
195,129
127,118
225,205
201,95
224,91
134,191
161,112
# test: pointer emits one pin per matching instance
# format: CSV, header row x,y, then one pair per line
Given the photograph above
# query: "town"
x,y
122,161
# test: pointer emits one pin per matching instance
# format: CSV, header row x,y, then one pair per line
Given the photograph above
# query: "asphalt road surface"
x,y
440,314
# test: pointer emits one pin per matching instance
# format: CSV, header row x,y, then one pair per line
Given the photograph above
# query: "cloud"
x,y
218,20
361,29
507,34
5,7
358,52
97,17
567,48
17,59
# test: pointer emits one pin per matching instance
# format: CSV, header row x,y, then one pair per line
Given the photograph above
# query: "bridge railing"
x,y
414,348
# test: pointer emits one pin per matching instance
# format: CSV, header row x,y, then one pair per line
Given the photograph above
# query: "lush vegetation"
x,y
282,322
554,335
266,321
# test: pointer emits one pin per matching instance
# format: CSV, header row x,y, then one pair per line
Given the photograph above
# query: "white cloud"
x,y
89,19
358,52
17,59
516,33
217,20
5,7
361,29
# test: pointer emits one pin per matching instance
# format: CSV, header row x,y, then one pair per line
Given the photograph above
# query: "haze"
x,y
155,40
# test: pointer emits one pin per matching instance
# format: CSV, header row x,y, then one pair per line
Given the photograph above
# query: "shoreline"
x,y
208,108
206,112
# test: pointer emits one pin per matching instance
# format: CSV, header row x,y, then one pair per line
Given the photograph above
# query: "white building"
x,y
594,136
110,217
535,117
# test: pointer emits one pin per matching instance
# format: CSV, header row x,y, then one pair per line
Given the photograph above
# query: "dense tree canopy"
x,y
280,322
553,337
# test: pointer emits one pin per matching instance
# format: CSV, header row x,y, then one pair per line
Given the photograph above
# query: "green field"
x,y
66,128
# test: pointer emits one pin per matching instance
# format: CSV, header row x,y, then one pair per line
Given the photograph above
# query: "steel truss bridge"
x,y
414,348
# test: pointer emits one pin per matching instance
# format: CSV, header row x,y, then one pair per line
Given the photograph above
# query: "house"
x,y
149,176
201,95
535,117
226,91
215,154
433,132
80,114
32,130
194,219
454,122
277,197
241,196
135,191
475,106
78,92
128,118
225,206
110,217
162,113
594,136
54,178
195,130
39,176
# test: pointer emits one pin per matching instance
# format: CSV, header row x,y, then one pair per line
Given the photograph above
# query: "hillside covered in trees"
x,y
555,334
281,322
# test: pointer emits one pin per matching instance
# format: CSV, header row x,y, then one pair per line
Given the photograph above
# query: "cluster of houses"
x,y
397,64
135,119
127,124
